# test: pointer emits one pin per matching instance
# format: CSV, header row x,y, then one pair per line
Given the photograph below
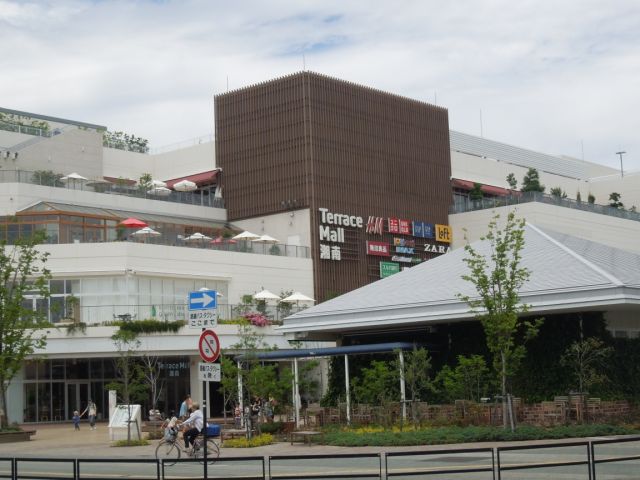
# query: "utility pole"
x,y
621,170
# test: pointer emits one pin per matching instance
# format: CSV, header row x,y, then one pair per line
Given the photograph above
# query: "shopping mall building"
x,y
356,184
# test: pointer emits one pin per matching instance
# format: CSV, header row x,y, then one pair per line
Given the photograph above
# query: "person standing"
x,y
185,406
76,420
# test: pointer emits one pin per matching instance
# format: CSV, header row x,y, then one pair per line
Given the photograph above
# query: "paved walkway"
x,y
61,441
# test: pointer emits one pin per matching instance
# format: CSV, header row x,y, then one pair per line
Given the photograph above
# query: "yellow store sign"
x,y
444,233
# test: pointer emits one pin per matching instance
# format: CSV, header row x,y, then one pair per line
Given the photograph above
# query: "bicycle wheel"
x,y
213,451
168,451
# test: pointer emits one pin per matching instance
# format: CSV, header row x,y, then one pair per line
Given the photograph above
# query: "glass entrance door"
x,y
77,397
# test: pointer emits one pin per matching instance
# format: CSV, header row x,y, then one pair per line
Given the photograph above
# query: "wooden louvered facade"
x,y
311,141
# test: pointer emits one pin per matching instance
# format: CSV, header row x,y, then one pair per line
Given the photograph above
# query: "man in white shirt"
x,y
196,422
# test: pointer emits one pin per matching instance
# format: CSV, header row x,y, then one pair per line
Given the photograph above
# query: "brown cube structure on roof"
x,y
345,152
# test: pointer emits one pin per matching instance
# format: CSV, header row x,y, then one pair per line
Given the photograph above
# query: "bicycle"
x,y
170,449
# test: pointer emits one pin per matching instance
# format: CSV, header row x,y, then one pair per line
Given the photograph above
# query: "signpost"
x,y
202,307
209,347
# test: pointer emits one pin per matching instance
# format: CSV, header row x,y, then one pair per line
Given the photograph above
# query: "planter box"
x,y
21,436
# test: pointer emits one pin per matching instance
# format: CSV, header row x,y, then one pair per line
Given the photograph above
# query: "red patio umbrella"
x,y
133,223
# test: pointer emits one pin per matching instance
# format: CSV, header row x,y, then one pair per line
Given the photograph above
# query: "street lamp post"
x,y
621,170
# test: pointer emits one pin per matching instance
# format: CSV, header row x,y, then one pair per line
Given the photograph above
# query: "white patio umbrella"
x,y
185,186
146,232
266,239
98,181
297,297
158,183
246,235
73,177
266,295
197,237
159,191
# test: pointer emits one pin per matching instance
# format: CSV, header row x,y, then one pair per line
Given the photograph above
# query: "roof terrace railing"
x,y
468,205
49,179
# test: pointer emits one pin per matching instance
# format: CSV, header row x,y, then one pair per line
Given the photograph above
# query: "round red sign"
x,y
209,346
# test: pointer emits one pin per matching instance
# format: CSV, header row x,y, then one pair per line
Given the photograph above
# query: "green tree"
x,y
587,358
130,382
558,193
614,200
531,182
498,277
468,380
511,180
377,384
475,194
22,272
578,197
145,182
591,199
417,366
48,178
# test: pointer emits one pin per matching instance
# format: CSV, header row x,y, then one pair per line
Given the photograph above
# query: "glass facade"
x,y
108,298
53,389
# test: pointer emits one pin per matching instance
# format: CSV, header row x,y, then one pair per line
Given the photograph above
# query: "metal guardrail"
x,y
528,197
47,180
375,466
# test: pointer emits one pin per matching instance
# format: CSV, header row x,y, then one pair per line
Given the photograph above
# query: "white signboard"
x,y
209,372
203,318
121,417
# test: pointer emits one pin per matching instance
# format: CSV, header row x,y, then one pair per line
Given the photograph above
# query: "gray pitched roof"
x,y
567,273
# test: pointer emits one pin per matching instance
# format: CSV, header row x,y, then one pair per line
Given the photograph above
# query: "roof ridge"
x,y
613,279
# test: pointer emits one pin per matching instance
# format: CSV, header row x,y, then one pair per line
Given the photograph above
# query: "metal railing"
x,y
468,205
48,180
24,129
485,463
101,314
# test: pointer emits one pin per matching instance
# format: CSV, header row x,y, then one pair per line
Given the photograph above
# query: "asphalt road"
x,y
44,457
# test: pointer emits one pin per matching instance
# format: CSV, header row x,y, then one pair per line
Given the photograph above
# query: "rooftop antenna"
x,y
435,98
582,147
304,63
481,134
227,83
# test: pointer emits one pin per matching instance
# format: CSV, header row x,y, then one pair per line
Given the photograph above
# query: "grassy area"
x,y
131,443
257,441
447,435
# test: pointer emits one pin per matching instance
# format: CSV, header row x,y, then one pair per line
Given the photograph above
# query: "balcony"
x,y
107,188
463,205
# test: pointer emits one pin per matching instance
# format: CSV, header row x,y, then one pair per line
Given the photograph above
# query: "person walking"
x,y
92,410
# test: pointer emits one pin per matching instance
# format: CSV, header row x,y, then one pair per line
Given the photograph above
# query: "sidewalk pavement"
x,y
61,441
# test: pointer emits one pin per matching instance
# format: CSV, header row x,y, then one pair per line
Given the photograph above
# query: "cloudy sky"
x,y
562,76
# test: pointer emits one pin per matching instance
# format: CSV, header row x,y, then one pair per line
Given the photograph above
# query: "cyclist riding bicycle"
x,y
195,421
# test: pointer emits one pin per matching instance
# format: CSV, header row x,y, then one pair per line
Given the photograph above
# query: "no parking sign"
x,y
209,346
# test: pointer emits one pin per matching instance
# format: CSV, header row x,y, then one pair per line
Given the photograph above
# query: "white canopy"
x,y
146,232
246,235
185,186
158,183
266,239
195,237
297,297
266,295
73,176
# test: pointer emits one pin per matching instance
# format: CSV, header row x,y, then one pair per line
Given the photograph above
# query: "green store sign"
x,y
388,268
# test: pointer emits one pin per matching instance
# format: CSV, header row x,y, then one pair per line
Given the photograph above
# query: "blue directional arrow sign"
x,y
203,300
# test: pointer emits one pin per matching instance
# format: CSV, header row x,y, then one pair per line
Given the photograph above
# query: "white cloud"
x,y
547,75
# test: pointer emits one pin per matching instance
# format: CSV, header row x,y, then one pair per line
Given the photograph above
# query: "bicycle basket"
x,y
170,434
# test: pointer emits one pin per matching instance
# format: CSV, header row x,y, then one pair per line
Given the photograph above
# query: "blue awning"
x,y
327,352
